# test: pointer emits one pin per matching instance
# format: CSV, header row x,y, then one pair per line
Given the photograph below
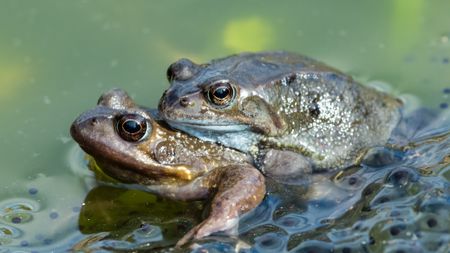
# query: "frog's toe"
x,y
186,238
207,228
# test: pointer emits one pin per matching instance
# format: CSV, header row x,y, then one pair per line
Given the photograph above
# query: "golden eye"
x,y
132,127
221,94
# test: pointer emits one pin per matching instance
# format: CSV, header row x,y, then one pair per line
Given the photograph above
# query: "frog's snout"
x,y
168,102
78,127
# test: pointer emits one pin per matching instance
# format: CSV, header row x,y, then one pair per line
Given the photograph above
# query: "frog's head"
x,y
129,144
226,95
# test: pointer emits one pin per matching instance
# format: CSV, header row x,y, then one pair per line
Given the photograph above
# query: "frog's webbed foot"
x,y
285,166
240,188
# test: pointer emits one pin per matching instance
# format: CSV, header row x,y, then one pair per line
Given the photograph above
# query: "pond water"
x,y
57,57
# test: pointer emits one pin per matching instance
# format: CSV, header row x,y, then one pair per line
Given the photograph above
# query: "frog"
x,y
268,103
131,144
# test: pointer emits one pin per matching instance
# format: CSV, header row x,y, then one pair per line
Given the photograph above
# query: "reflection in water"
x,y
135,219
12,77
239,35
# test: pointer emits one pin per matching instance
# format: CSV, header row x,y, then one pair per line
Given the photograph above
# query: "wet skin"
x,y
269,103
130,144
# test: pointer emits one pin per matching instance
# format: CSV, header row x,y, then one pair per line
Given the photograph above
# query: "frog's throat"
x,y
190,126
238,137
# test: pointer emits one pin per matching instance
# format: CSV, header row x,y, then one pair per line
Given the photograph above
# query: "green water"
x,y
57,57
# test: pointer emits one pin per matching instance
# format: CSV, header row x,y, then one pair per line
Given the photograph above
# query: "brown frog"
x,y
267,103
130,144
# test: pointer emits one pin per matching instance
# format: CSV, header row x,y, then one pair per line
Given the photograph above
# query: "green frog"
x,y
269,103
131,144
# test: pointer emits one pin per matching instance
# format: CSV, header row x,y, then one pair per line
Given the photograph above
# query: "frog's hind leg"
x,y
285,166
240,188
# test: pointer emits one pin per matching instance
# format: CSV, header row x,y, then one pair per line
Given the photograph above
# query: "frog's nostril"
x,y
185,102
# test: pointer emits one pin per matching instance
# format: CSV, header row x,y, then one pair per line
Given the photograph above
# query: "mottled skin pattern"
x,y
280,101
169,163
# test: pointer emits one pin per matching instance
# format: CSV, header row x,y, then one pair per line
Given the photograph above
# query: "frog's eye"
x,y
132,127
221,94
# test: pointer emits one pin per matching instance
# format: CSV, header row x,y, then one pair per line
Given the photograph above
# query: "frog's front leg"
x,y
285,166
240,188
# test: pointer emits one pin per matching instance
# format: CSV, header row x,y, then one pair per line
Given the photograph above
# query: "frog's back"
x,y
250,69
330,117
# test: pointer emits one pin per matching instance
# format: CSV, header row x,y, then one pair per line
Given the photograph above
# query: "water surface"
x,y
57,57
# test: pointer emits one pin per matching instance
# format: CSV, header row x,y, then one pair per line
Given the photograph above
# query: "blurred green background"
x,y
57,57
